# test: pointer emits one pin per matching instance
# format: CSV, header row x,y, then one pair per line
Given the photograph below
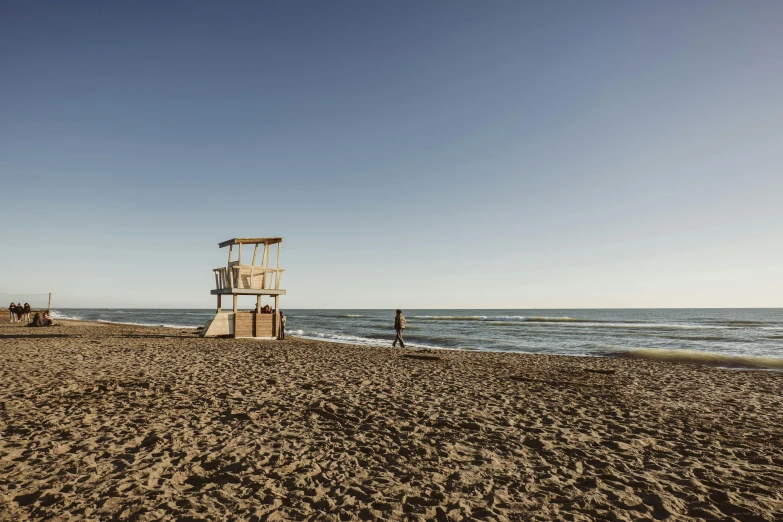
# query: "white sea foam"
x,y
355,339
73,317
164,325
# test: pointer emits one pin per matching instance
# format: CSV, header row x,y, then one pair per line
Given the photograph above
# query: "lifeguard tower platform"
x,y
237,279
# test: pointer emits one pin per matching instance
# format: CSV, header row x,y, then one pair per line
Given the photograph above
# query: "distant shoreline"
x,y
666,356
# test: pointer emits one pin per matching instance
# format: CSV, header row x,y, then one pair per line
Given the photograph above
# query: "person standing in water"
x,y
399,325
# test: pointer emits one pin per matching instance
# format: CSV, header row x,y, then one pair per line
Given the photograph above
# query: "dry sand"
x,y
110,422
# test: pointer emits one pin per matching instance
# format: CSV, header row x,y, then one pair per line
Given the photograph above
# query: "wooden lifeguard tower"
x,y
237,279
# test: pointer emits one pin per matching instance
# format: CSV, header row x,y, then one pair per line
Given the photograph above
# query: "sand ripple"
x,y
102,422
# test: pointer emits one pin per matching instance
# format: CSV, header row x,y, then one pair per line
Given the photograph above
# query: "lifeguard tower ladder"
x,y
254,279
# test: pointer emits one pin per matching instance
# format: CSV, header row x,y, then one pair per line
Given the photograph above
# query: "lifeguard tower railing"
x,y
239,276
247,277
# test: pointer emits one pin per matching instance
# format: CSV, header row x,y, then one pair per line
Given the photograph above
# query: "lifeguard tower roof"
x,y
251,241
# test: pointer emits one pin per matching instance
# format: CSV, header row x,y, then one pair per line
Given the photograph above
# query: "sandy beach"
x,y
113,422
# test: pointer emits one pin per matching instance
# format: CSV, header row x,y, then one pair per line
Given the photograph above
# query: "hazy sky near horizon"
x,y
451,154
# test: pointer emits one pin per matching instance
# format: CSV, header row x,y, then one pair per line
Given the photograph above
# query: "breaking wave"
x,y
81,317
507,318
66,317
521,319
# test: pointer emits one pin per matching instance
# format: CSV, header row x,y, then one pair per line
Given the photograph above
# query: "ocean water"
x,y
729,333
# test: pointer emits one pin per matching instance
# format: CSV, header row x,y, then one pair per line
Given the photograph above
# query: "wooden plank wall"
x,y
265,325
243,327
251,324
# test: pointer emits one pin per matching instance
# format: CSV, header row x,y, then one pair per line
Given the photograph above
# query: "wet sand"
x,y
112,422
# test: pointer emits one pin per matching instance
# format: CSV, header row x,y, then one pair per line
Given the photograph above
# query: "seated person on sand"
x,y
47,319
36,320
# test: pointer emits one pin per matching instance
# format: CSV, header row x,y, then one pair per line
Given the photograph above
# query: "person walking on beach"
x,y
12,311
399,325
281,336
19,311
27,311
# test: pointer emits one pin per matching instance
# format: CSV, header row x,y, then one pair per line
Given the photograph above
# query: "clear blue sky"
x,y
413,154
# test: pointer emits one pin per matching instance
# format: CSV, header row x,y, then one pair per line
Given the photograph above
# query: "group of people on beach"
x,y
19,312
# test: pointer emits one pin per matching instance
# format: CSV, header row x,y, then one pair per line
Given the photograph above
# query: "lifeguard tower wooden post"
x,y
252,279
